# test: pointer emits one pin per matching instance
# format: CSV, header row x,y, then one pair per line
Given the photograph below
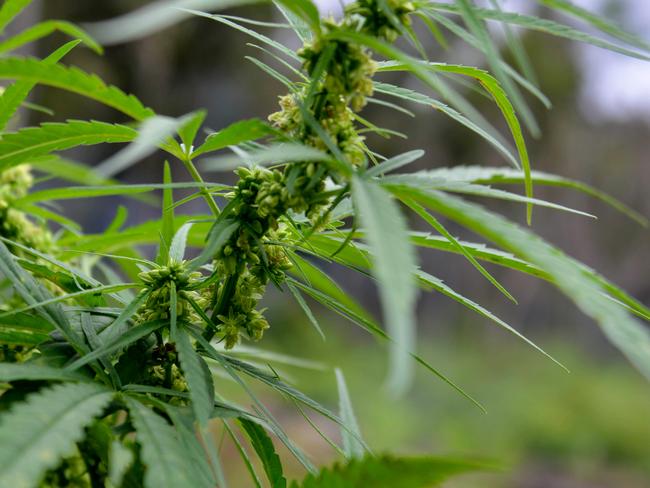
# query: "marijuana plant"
x,y
110,383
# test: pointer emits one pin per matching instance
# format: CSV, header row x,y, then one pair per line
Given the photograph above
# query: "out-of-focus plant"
x,y
111,383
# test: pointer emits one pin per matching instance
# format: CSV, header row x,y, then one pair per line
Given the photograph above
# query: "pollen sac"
x,y
383,21
158,282
14,224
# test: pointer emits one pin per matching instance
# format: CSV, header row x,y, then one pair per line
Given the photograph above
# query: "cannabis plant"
x,y
109,355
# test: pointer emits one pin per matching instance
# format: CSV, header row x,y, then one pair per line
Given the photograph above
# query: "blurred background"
x,y
589,428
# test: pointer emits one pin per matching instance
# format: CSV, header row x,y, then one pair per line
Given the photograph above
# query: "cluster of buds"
x,y
14,224
262,197
383,21
14,184
163,370
242,316
14,353
158,282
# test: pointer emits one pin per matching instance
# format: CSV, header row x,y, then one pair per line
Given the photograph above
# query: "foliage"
x,y
109,375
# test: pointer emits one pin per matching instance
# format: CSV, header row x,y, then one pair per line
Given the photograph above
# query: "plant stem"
x,y
187,162
227,293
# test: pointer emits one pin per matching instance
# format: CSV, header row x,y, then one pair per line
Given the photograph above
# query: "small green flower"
x,y
158,282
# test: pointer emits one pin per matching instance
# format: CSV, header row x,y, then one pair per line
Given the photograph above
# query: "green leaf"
x,y
438,285
120,458
264,448
405,183
35,295
19,147
177,249
369,326
305,10
9,10
24,329
74,192
217,238
538,24
167,226
15,94
253,33
390,472
46,28
199,446
167,464
352,446
487,176
573,279
474,42
599,22
243,131
419,98
274,154
190,128
500,97
35,372
44,429
198,376
394,163
508,260
492,53
431,220
132,335
154,132
75,81
394,264
305,308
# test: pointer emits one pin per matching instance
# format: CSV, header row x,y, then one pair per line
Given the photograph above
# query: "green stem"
x,y
229,288
196,176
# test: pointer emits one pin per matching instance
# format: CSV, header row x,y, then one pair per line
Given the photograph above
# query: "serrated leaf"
x,y
242,131
73,80
597,21
120,458
431,220
15,94
9,10
264,448
44,428
132,335
190,128
198,376
394,264
572,278
33,372
541,25
19,147
404,183
390,472
24,329
488,175
352,446
419,98
200,447
167,464
44,29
